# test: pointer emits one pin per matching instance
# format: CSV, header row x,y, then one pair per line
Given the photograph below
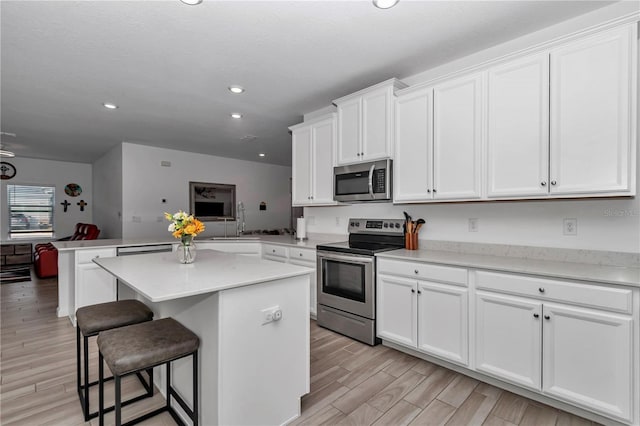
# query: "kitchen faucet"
x,y
240,224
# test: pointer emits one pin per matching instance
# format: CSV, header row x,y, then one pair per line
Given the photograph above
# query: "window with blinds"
x,y
31,210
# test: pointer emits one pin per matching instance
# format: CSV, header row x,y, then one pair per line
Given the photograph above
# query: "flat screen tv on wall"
x,y
212,201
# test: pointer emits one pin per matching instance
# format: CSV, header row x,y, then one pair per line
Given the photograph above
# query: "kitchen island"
x,y
254,367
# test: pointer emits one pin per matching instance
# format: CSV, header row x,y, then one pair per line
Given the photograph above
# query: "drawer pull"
x,y
541,289
413,290
416,271
536,316
419,292
547,317
300,254
274,250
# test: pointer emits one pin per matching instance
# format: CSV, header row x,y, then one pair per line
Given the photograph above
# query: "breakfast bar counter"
x,y
252,317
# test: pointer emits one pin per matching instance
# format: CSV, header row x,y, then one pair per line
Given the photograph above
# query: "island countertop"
x,y
159,276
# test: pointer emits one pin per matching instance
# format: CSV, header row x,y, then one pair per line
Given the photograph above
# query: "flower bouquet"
x,y
185,227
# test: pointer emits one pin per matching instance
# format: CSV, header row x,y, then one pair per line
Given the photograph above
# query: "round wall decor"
x,y
72,189
7,170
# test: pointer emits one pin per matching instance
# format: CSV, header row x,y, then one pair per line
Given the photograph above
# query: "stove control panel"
x,y
374,226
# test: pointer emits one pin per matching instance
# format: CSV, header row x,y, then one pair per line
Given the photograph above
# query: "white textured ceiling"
x,y
168,65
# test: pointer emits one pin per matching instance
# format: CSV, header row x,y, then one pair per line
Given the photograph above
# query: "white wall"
x,y
107,185
146,183
603,224
59,173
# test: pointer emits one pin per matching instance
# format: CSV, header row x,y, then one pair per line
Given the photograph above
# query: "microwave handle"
x,y
373,166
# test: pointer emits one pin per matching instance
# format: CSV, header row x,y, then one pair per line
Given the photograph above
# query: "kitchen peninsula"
x,y
254,369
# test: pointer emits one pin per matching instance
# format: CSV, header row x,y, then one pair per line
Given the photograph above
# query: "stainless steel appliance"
x,y
363,182
347,277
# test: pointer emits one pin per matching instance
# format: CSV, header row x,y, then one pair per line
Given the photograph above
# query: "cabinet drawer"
x,y
271,250
302,254
615,299
86,256
424,271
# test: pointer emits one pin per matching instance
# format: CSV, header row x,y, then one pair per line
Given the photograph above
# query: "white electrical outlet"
x,y
570,226
271,314
473,224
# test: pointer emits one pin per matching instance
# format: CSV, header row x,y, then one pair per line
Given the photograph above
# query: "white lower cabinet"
x,y
93,284
588,358
300,257
570,341
582,356
508,338
424,315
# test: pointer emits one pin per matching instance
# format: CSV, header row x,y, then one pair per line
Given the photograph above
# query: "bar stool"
x,y
131,349
93,319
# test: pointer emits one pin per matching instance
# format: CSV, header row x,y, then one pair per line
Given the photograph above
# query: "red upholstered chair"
x,y
46,255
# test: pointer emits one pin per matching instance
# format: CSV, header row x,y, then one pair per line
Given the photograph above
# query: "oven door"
x,y
347,282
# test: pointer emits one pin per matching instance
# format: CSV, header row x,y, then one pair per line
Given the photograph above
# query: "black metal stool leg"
x,y
195,389
85,402
118,405
101,389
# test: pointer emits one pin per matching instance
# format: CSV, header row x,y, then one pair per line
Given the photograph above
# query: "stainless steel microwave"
x,y
363,182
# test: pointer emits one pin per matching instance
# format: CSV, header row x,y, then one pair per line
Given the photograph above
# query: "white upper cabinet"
x,y
312,162
365,123
518,128
412,172
593,100
457,138
439,142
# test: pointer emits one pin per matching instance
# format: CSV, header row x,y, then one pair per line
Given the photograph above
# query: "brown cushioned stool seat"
x,y
130,349
93,319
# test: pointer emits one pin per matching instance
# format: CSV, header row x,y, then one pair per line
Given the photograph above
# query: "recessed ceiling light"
x,y
385,4
109,105
262,154
236,115
236,89
191,2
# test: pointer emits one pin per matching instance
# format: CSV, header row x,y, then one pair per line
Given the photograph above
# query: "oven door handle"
x,y
351,259
373,166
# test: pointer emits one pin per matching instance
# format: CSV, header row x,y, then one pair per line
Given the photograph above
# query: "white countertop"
x,y
286,240
159,276
576,271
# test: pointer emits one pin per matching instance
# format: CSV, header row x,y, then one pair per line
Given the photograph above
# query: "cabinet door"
x,y
300,166
376,124
588,359
414,143
397,310
591,113
457,139
349,131
443,321
322,162
93,285
508,338
518,128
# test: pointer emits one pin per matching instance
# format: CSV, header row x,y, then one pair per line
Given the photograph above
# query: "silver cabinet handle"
x,y
419,292
543,183
434,190
547,317
416,271
428,191
553,182
300,254
413,290
541,289
536,316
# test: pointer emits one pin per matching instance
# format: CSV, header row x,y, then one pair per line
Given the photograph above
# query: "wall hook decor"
x,y
65,204
81,203
7,170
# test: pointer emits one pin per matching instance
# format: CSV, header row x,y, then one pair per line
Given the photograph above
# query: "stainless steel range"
x,y
347,277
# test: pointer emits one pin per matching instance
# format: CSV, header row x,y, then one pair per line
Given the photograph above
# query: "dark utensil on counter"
x,y
419,224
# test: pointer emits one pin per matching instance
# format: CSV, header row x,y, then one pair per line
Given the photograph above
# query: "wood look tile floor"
x,y
351,383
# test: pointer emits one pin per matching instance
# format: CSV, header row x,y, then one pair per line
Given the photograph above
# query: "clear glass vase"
x,y
186,251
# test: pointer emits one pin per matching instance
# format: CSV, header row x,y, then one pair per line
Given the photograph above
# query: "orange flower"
x,y
177,234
